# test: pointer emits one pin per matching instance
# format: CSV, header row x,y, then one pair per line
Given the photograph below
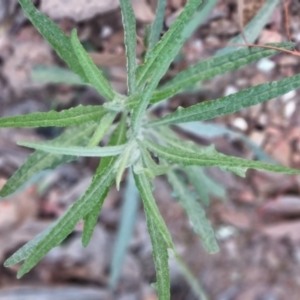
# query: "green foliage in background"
x,y
136,136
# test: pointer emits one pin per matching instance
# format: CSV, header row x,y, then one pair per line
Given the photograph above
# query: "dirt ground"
x,y
257,225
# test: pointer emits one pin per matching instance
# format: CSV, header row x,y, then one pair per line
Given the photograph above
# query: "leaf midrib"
x,y
52,118
219,103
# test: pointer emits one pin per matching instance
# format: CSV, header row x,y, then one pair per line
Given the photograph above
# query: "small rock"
x,y
230,90
240,124
289,109
106,32
266,65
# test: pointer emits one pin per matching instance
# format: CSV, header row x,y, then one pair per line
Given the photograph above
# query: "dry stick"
x,y
286,5
292,52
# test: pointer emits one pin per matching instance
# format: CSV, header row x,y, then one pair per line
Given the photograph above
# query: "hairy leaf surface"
x,y
129,24
209,68
160,256
73,116
161,56
92,72
75,150
232,103
150,207
185,158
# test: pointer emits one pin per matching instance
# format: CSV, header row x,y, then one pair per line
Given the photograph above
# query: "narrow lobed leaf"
x,y
168,137
75,150
157,26
160,256
195,213
252,31
185,158
90,220
209,68
161,56
39,160
27,249
92,72
232,103
54,35
73,116
129,25
213,130
150,207
158,61
64,226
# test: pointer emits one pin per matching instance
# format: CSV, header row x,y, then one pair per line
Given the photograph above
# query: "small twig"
x,y
292,52
286,6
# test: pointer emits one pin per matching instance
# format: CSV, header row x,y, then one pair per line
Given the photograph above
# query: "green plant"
x,y
138,136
